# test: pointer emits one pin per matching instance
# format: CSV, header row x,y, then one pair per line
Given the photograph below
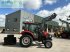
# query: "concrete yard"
x,y
59,45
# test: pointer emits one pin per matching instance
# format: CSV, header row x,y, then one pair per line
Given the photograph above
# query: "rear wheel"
x,y
63,36
48,44
26,41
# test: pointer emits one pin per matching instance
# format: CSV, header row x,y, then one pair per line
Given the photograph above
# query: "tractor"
x,y
58,32
63,32
36,32
33,33
66,31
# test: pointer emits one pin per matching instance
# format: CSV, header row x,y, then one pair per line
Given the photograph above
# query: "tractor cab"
x,y
30,26
35,29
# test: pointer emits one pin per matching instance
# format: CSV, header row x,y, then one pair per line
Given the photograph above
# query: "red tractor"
x,y
32,32
36,32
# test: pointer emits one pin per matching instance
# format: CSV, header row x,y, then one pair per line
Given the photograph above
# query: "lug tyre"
x,y
48,44
26,41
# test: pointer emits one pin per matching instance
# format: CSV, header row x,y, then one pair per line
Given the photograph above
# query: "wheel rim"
x,y
48,44
25,40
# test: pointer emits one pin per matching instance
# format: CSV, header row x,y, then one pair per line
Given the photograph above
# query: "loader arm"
x,y
49,18
67,24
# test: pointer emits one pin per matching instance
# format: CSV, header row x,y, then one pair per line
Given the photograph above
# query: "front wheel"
x,y
26,41
48,44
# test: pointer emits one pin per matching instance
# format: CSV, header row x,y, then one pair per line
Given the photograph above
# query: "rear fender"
x,y
27,33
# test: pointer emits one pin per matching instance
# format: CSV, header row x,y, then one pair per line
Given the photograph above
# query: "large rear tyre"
x,y
48,44
26,41
64,36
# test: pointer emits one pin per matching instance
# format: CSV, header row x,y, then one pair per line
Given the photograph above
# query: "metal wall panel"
x,y
12,24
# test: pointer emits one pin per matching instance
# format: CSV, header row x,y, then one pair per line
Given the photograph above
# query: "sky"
x,y
41,8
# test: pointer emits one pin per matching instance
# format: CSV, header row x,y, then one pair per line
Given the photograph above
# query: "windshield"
x,y
31,27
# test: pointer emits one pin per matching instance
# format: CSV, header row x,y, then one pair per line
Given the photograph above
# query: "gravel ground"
x,y
59,45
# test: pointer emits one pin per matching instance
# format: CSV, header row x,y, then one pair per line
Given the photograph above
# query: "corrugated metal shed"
x,y
14,21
